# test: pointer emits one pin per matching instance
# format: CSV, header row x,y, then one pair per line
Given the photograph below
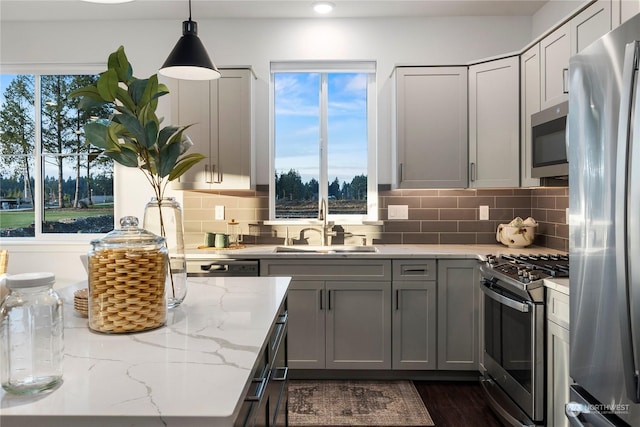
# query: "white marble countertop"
x,y
194,371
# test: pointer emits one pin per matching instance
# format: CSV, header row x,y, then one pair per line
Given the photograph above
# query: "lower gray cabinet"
x,y
343,320
458,317
358,327
307,324
414,325
558,355
414,315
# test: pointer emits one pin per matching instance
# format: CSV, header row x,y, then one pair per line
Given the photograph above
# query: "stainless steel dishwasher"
x,y
220,267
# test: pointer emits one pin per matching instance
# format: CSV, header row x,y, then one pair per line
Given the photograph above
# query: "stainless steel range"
x,y
513,343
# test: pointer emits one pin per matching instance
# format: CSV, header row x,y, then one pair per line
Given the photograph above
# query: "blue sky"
x,y
297,124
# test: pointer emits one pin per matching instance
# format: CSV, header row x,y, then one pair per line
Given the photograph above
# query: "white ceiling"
x,y
70,10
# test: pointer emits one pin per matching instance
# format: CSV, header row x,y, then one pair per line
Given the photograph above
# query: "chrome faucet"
x,y
326,226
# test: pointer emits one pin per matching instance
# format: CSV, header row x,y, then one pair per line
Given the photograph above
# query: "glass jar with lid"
x,y
31,334
127,272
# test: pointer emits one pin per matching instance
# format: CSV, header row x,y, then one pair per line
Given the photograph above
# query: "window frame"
x,y
323,68
38,70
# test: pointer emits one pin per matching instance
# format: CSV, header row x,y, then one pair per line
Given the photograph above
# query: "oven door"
x,y
513,347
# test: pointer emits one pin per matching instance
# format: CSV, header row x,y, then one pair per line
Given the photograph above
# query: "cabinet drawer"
x,y
336,269
414,270
558,308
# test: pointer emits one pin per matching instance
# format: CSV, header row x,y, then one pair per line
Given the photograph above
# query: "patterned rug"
x,y
356,403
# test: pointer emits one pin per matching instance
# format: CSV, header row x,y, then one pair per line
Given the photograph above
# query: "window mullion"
x,y
38,200
323,185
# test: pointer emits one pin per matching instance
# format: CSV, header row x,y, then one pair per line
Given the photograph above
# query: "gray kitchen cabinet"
x,y
590,24
458,315
558,379
306,309
555,50
529,104
358,325
431,127
624,9
339,312
494,123
220,112
414,318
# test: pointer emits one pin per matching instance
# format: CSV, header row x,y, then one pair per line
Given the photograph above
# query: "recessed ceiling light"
x,y
323,7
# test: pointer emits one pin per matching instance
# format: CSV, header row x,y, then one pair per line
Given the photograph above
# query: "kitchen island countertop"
x,y
193,371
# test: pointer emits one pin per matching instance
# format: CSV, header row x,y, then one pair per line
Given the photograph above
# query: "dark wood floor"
x,y
456,404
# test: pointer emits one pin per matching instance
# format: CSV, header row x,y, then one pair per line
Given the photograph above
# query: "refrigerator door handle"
x,y
627,228
573,411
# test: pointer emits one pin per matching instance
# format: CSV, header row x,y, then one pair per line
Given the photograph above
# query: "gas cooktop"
x,y
529,268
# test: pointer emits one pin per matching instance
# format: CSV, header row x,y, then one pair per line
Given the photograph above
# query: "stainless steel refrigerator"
x,y
604,197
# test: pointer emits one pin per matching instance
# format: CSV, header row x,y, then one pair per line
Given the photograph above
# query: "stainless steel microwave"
x,y
548,142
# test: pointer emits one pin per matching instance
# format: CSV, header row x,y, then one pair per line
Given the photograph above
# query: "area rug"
x,y
356,403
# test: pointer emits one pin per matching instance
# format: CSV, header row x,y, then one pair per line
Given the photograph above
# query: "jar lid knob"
x,y
129,222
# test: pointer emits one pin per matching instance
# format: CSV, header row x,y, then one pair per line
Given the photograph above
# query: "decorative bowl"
x,y
516,236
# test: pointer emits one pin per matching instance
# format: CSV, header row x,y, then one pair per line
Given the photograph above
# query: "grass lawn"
x,y
17,219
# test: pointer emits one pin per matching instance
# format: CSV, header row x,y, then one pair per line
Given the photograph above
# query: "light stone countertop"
x,y
387,252
383,251
194,371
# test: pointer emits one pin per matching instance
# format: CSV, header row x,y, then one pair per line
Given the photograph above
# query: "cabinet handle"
x,y
472,172
414,270
207,175
259,390
321,295
565,80
397,299
282,319
400,173
329,300
215,172
283,377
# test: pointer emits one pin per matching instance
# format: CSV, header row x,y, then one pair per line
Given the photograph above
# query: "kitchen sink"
x,y
335,249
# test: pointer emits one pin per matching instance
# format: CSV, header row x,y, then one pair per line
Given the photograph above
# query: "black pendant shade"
x,y
189,59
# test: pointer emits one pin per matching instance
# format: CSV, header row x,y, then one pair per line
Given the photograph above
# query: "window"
x,y
323,141
51,181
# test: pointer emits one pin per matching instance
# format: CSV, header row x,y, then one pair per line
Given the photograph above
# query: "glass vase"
x,y
164,218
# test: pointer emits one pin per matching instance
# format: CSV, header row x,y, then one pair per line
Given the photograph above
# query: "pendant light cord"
x,y
189,10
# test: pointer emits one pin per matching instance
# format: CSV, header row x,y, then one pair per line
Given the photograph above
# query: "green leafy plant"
x,y
132,136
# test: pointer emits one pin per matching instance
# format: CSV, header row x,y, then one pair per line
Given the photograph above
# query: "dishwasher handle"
x,y
214,266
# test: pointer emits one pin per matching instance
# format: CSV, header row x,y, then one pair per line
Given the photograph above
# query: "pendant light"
x,y
189,59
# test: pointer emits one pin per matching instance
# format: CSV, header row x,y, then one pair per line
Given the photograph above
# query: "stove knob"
x,y
533,276
521,271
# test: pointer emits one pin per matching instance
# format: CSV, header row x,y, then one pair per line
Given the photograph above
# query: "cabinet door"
x,y
306,335
554,65
494,123
220,114
558,380
458,319
431,127
231,133
529,104
590,24
414,324
358,334
628,8
191,106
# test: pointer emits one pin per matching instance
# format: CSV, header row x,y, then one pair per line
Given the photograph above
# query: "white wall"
x,y
254,42
552,13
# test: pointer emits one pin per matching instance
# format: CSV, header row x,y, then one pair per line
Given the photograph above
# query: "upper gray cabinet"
x,y
624,9
220,114
590,24
554,67
494,123
529,104
431,126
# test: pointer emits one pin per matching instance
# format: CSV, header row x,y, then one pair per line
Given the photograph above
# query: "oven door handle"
x,y
517,305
